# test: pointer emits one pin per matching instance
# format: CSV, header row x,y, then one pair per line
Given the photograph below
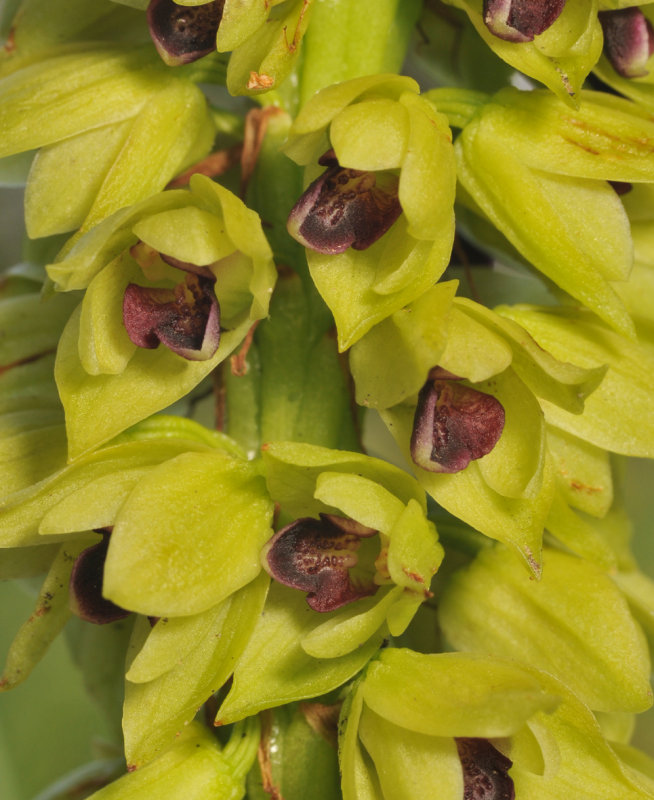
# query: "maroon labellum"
x,y
485,771
628,40
183,34
453,424
345,208
520,20
186,319
315,556
86,600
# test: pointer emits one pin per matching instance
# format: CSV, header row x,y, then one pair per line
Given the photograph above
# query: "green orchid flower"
x,y
469,723
378,223
359,546
264,38
188,270
458,389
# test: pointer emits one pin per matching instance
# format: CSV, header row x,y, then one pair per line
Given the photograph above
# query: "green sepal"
x,y
274,669
31,325
54,206
590,639
638,589
22,512
577,758
473,350
406,761
561,57
391,362
579,533
617,415
454,694
32,447
358,777
550,376
240,19
64,95
41,31
172,130
308,138
81,262
211,503
640,90
29,385
182,663
606,138
48,618
514,467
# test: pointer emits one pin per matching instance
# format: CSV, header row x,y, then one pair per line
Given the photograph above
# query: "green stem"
x,y
350,38
295,386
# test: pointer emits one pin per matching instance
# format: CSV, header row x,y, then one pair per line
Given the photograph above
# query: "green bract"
x,y
380,123
97,364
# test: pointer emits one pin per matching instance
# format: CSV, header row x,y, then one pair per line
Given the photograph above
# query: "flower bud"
x,y
378,223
